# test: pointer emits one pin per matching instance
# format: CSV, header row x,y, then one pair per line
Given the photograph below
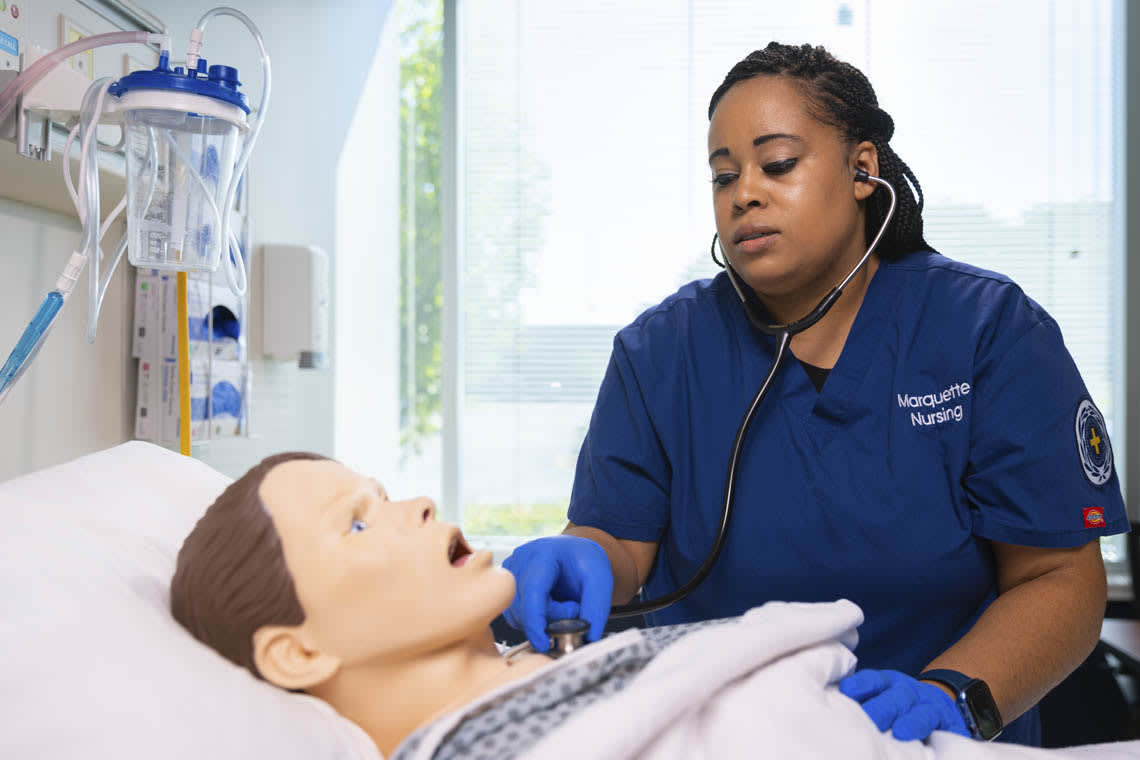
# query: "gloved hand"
x,y
559,577
910,708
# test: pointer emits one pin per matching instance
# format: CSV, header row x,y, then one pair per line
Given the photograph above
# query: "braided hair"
x,y
841,96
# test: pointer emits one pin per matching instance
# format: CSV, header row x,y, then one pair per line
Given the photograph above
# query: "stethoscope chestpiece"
x,y
566,635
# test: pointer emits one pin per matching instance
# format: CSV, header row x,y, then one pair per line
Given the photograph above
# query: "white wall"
x,y
77,398
367,414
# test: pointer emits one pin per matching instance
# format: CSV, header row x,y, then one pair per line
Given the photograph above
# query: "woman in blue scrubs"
x,y
931,453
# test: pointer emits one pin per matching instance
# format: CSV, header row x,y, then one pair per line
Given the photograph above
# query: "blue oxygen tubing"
x,y
30,342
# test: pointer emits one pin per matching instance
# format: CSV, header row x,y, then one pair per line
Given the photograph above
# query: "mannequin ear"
x,y
865,156
283,659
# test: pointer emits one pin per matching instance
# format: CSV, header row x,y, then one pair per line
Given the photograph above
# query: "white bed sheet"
x,y
764,687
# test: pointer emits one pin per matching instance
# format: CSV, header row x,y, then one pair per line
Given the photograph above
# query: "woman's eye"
x,y
723,180
780,167
357,525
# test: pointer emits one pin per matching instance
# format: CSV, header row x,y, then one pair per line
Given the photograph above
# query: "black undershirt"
x,y
817,375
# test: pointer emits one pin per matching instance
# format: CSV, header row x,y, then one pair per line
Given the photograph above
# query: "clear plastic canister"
x,y
179,167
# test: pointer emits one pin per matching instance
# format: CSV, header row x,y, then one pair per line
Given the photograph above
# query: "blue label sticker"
x,y
9,44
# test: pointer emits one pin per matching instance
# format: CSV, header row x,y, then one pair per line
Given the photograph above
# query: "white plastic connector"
x,y
66,282
165,44
194,48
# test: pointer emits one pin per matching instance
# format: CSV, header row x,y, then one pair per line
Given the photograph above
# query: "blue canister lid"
x,y
217,82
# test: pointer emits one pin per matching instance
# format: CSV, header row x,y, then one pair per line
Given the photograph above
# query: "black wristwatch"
x,y
974,700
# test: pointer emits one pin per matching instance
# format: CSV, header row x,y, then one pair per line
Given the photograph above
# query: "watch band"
x,y
952,678
973,698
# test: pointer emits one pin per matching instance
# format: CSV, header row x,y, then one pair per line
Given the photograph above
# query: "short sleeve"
x,y
1041,471
621,484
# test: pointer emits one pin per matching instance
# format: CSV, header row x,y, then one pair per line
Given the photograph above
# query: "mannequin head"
x,y
304,570
231,577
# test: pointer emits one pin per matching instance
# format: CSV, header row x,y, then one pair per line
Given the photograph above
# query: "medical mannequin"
x,y
305,573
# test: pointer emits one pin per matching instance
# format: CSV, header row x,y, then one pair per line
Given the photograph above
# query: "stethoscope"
x,y
567,635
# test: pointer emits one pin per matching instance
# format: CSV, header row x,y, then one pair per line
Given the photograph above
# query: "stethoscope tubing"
x,y
783,334
640,608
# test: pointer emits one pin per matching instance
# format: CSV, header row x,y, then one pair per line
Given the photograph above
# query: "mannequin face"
x,y
379,580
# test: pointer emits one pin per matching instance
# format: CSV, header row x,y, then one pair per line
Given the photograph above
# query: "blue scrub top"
x,y
953,416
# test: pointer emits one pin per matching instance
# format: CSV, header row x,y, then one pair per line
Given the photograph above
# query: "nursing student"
x,y
929,452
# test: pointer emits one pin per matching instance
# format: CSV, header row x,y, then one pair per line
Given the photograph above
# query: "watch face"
x,y
981,705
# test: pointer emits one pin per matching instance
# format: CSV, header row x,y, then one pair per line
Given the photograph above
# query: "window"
x,y
582,195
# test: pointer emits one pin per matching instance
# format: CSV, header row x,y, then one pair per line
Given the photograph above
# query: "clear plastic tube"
x,y
65,163
235,271
89,200
88,190
232,264
152,159
111,217
105,280
75,196
42,66
206,192
231,239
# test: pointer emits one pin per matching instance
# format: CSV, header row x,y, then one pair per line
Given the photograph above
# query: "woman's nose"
x,y
749,189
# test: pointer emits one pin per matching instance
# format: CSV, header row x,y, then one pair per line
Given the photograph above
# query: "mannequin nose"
x,y
425,508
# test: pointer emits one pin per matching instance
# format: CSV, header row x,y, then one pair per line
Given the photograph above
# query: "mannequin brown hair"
x,y
231,577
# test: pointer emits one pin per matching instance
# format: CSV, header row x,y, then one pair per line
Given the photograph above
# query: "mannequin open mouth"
x,y
458,552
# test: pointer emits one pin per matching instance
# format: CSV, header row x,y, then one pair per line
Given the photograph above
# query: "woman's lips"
x,y
758,244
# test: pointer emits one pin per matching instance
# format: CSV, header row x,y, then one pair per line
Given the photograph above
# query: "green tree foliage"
x,y
515,519
504,206
421,294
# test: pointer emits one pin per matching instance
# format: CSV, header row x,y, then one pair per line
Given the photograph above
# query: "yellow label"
x,y
84,63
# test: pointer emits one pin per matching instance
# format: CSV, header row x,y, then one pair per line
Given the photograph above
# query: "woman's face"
x,y
786,204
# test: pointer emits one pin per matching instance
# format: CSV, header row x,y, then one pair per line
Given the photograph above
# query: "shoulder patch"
x,y
1093,446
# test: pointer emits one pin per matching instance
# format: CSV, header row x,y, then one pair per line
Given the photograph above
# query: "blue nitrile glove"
x,y
559,577
910,708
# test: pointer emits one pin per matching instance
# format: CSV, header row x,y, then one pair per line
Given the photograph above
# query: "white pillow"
x,y
92,664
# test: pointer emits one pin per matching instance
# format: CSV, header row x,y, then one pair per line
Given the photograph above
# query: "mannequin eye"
x,y
357,525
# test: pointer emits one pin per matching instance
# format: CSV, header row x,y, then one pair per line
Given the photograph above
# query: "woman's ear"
x,y
865,156
284,660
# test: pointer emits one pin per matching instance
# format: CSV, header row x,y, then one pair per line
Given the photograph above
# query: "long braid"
x,y
840,95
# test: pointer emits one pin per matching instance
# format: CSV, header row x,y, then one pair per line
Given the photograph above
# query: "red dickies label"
x,y
1094,517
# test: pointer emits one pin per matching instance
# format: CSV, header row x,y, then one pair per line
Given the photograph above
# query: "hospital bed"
x,y
92,663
